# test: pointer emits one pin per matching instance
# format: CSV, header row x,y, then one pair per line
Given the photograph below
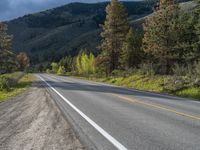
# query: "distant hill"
x,y
186,6
52,34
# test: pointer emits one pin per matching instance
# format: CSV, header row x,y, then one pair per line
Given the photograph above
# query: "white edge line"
x,y
90,121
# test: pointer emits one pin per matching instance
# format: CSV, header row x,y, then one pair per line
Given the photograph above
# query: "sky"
x,y
10,9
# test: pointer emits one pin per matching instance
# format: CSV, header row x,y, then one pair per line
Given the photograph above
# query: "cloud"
x,y
10,9
4,5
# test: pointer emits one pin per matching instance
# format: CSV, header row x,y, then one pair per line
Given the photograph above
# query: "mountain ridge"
x,y
52,34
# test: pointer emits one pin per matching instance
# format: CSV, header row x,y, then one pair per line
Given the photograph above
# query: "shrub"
x,y
85,64
118,73
175,83
55,67
4,83
48,71
192,92
179,70
61,70
147,69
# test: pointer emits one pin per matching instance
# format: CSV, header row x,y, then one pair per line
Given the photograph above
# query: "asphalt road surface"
x,y
108,117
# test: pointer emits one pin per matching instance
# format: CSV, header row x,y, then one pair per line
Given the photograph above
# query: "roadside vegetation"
x,y
14,84
11,81
164,57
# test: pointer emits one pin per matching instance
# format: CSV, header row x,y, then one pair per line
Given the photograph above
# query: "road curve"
x,y
109,117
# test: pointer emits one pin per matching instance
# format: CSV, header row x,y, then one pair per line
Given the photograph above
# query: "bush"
x,y
55,67
192,92
118,73
61,70
179,70
4,83
176,83
147,69
48,71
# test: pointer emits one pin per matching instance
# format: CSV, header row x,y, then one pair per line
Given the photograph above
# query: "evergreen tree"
x,y
131,55
185,49
102,64
165,3
114,32
160,33
197,29
8,61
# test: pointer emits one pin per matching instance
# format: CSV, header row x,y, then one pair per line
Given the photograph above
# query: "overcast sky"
x,y
10,9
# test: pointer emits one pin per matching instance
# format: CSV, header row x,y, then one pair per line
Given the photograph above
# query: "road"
x,y
108,117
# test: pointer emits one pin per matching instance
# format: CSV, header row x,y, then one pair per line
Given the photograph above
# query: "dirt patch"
x,y
32,121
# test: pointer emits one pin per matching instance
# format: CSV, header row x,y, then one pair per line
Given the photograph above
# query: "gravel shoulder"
x,y
33,121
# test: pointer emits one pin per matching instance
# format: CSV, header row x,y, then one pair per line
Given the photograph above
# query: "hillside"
x,y
52,34
187,6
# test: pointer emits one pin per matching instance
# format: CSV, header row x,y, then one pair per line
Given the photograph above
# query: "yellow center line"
x,y
156,106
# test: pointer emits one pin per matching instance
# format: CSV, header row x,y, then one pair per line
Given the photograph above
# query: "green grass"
x,y
192,92
22,85
148,83
136,81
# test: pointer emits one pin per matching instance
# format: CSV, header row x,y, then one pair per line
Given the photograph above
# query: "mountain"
x,y
52,34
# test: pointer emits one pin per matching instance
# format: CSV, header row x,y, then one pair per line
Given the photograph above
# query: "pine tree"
x,y
197,29
185,48
102,64
7,58
114,32
131,55
160,33
165,3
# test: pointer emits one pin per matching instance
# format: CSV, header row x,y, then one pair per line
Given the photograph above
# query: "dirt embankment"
x,y
32,121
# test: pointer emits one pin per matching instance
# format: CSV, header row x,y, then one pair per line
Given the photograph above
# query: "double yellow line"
x,y
156,106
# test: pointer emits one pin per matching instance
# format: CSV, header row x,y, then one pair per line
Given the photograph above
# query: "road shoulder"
x,y
33,121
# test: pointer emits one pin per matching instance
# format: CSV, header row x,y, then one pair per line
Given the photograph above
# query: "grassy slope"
x,y
153,84
17,89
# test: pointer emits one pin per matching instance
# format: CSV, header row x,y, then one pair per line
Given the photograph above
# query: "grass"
x,y
192,92
136,81
149,83
22,85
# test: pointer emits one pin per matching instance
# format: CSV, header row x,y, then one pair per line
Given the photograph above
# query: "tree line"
x,y
170,40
